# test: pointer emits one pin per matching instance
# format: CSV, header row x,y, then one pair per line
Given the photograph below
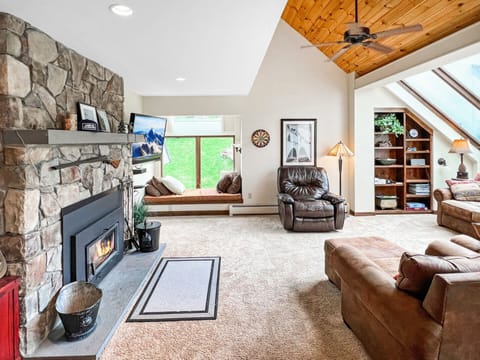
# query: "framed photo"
x,y
103,123
299,142
87,117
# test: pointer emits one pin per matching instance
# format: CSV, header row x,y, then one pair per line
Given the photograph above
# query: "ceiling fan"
x,y
358,35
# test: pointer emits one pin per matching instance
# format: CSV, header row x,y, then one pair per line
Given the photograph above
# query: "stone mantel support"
x,y
20,137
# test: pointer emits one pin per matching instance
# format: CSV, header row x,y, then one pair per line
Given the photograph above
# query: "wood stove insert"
x,y
92,232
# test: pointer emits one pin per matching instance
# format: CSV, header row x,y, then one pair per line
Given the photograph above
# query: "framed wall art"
x,y
103,123
87,117
299,142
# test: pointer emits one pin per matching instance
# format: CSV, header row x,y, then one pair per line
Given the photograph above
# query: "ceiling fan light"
x,y
121,10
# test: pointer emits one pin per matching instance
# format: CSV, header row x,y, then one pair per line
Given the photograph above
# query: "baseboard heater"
x,y
252,209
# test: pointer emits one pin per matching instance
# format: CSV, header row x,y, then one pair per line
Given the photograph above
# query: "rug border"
x,y
160,263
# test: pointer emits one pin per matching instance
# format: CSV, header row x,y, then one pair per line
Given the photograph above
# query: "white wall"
x,y
365,102
291,83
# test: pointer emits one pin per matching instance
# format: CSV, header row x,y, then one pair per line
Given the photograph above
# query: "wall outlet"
x,y
249,195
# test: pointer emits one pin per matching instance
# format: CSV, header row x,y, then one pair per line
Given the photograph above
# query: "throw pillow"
x,y
160,187
174,185
236,185
224,183
477,177
416,271
468,190
152,190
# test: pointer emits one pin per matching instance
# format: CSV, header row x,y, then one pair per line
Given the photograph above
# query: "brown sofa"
x,y
393,324
461,216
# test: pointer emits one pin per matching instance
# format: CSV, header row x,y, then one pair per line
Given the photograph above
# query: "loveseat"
x,y
443,323
459,215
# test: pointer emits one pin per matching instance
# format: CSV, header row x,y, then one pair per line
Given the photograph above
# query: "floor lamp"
x,y
340,150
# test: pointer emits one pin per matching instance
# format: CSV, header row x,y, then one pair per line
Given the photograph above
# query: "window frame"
x,y
198,155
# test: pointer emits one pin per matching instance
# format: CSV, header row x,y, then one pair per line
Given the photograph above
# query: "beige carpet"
x,y
274,299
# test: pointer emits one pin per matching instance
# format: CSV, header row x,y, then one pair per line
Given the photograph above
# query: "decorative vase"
x,y
122,128
3,265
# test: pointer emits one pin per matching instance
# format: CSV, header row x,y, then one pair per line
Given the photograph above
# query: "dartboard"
x,y
260,138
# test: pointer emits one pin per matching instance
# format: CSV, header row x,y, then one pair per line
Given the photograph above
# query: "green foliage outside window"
x,y
215,156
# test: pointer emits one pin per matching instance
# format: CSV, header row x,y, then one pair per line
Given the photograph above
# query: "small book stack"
x,y
419,189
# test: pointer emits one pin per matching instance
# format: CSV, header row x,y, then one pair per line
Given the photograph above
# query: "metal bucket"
x,y
78,304
148,235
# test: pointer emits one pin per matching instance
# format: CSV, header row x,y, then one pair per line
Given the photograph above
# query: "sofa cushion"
x,y
464,190
152,190
416,271
159,186
465,210
174,185
382,252
236,185
224,182
313,208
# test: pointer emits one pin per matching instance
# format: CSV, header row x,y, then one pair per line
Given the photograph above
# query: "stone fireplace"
x,y
40,80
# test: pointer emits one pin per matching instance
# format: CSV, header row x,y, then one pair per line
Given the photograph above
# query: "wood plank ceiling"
x,y
325,21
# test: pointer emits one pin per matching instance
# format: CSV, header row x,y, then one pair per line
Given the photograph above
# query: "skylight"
x,y
456,102
466,72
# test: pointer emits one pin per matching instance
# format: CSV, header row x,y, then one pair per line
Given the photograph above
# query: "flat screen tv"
x,y
153,130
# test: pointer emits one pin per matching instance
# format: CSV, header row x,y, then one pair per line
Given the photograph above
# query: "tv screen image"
x,y
153,130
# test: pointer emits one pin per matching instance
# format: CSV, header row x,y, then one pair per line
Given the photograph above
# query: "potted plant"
x,y
139,213
388,123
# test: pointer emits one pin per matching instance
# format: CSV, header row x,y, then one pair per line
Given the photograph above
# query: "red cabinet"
x,y
9,318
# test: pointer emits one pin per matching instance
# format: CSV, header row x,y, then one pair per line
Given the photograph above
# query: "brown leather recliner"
x,y
304,200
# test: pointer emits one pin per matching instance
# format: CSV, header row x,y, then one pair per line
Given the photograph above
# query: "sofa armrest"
x,y
453,300
442,194
285,198
285,211
333,198
447,248
467,242
338,203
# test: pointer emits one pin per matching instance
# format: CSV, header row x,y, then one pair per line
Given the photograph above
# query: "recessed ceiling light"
x,y
121,10
180,79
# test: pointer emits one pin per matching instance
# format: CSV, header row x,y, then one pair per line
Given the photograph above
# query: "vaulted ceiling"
x,y
325,21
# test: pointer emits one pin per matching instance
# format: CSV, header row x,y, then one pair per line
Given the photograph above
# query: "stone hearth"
x,y
40,80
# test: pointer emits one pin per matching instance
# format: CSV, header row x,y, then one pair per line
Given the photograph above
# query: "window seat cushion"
x,y
195,196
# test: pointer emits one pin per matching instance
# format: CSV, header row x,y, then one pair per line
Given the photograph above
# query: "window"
x,y
467,73
448,101
198,161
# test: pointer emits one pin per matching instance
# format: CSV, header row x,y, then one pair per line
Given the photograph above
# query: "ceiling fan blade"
x,y
324,44
397,31
378,47
339,53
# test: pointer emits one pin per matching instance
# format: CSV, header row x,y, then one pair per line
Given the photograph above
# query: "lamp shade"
x,y
340,149
460,146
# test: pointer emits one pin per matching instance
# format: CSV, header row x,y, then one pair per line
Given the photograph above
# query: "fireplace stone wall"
x,y
40,80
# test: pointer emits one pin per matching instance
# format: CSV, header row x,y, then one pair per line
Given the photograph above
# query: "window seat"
x,y
195,196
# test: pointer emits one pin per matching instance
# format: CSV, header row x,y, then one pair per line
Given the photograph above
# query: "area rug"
x,y
181,288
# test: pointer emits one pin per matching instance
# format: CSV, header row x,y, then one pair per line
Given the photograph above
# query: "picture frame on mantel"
x,y
299,142
87,117
103,122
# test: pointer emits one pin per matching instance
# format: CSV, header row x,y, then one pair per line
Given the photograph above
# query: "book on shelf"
x,y
419,189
